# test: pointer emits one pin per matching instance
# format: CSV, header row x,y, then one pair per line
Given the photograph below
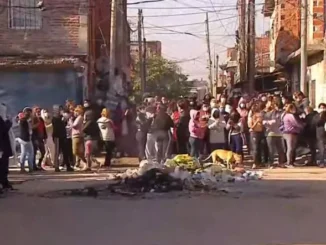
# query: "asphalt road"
x,y
288,207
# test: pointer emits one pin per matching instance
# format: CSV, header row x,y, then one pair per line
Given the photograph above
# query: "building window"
x,y
23,14
282,5
282,17
281,28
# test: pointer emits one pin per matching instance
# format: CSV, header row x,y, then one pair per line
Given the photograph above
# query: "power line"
x,y
232,7
191,24
171,15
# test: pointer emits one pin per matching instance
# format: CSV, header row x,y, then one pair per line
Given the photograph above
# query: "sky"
x,y
190,51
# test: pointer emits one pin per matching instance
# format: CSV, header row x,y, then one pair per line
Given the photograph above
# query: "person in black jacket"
x,y
25,140
91,136
321,135
182,130
5,151
162,125
142,129
60,139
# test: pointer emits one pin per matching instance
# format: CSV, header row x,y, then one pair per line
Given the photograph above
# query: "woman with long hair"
x,y
291,128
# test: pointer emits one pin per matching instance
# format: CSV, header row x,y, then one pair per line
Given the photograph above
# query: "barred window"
x,y
24,14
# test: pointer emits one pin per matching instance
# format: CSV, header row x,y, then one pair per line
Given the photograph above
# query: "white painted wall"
x,y
317,74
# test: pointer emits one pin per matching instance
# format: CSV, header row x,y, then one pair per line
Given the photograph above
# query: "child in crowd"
x,y
197,133
216,128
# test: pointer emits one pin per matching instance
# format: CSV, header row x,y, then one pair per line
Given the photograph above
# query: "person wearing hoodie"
x,y
216,128
142,129
60,139
204,115
91,133
197,133
272,123
106,127
5,147
291,127
39,137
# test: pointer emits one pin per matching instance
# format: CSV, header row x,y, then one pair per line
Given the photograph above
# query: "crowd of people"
x,y
268,125
271,127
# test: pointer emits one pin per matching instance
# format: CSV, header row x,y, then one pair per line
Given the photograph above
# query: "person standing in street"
x,y
5,148
107,134
60,139
142,129
91,133
39,137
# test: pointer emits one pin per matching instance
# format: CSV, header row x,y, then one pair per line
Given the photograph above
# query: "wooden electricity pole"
x,y
140,51
251,50
210,76
242,40
304,59
216,74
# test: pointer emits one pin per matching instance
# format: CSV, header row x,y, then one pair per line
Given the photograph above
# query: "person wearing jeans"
x,y
25,141
235,128
197,134
291,128
272,122
256,128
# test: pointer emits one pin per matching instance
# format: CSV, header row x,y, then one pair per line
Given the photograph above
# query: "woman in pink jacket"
x,y
197,134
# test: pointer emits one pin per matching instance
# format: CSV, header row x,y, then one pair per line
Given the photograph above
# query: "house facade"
x,y
54,53
285,44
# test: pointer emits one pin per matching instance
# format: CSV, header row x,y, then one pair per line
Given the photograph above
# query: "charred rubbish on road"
x,y
181,174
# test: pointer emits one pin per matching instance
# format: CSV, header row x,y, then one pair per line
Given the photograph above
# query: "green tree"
x,y
163,78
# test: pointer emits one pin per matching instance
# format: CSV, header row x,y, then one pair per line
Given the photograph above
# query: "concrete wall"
x,y
19,89
316,72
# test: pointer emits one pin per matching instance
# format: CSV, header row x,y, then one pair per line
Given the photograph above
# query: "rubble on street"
x,y
181,174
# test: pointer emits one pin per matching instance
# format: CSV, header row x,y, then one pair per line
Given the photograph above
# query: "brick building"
x,y
285,44
51,55
262,54
284,28
153,48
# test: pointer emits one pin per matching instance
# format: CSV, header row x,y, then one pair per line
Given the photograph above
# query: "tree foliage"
x,y
163,78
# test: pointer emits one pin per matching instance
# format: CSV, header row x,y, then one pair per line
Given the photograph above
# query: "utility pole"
x,y
304,59
216,73
113,37
144,72
251,50
145,62
210,77
140,51
242,40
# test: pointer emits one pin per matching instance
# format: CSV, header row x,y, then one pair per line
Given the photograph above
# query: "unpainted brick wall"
x,y
59,34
